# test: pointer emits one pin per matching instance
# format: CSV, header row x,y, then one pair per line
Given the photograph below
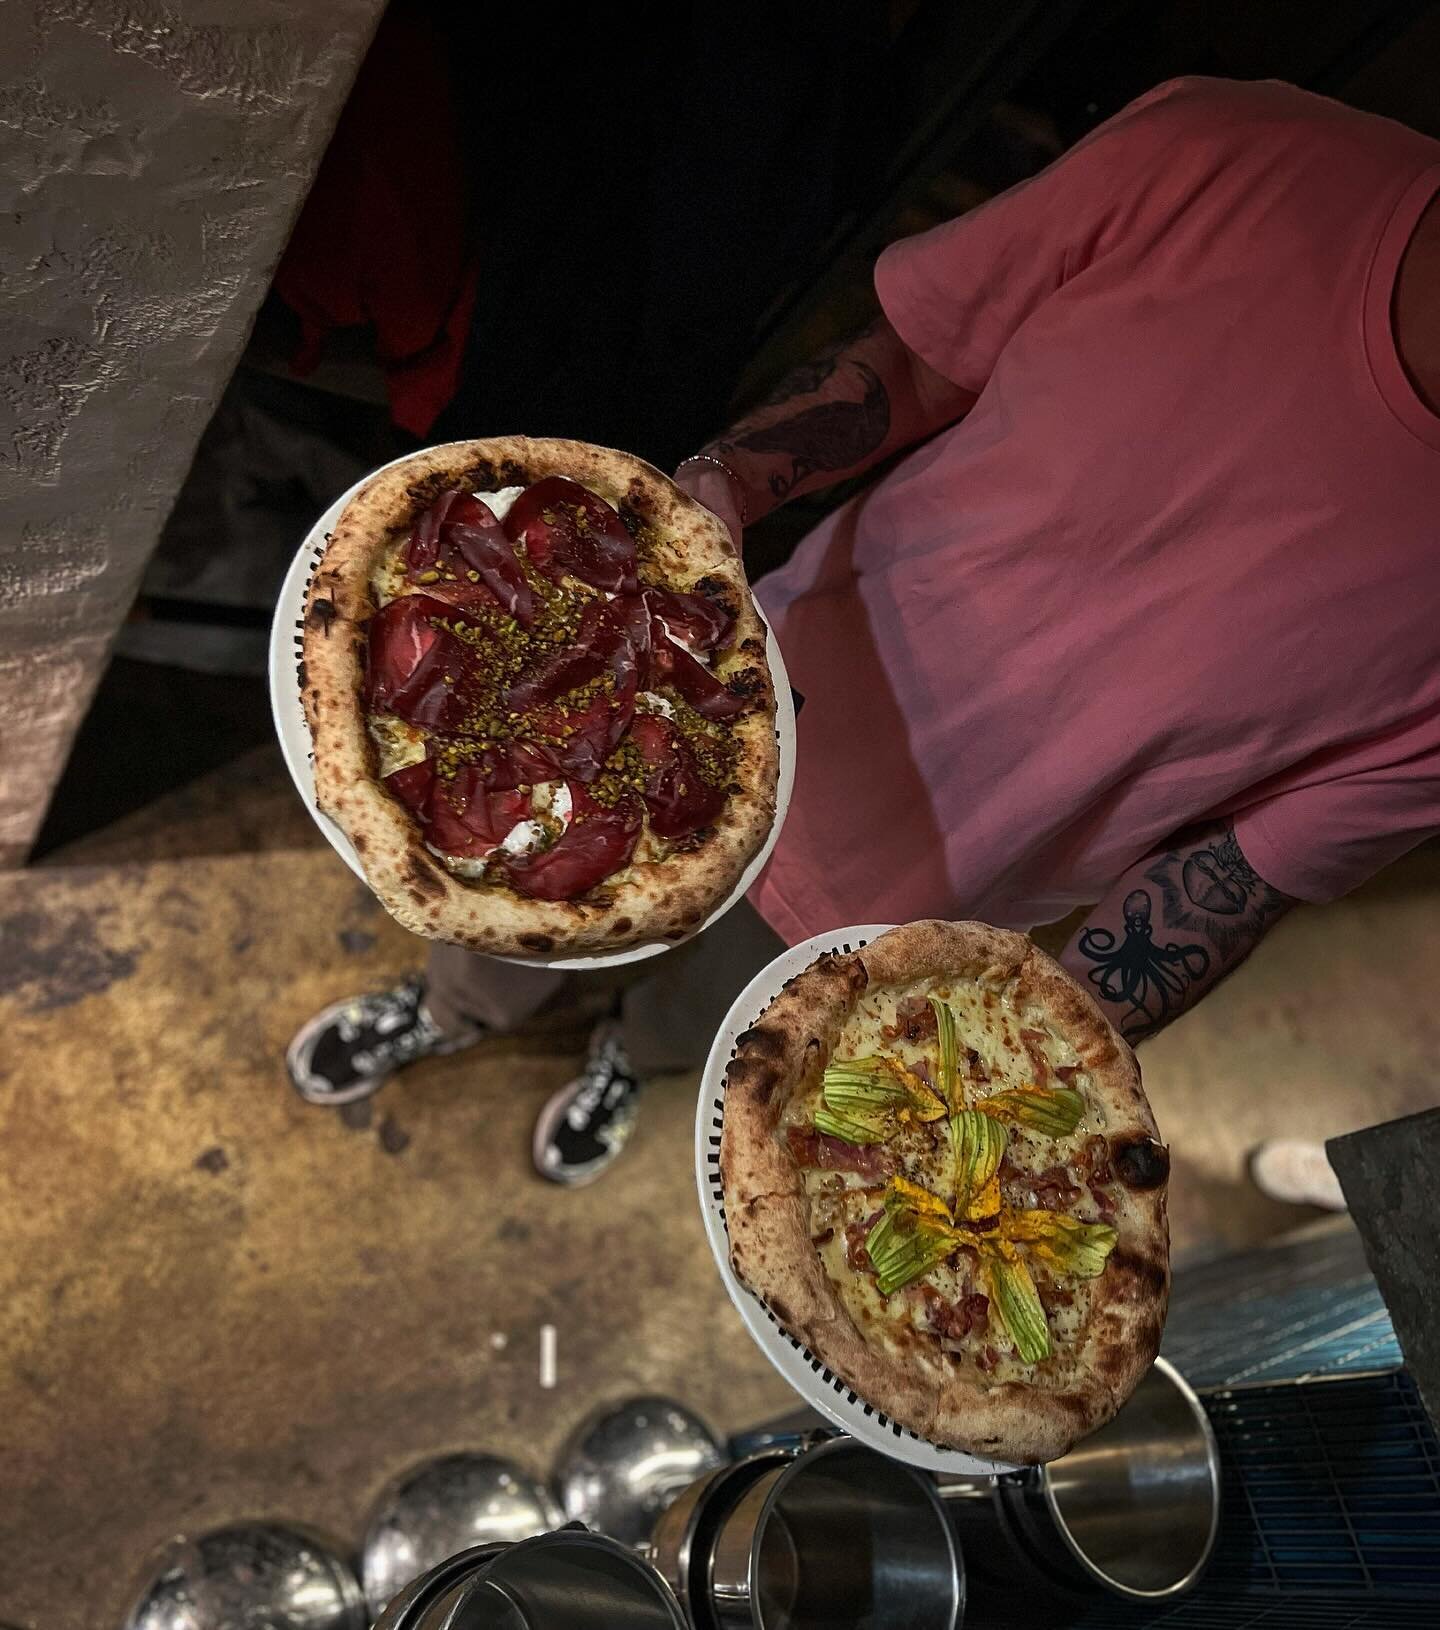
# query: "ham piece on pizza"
x,y
942,1176
538,696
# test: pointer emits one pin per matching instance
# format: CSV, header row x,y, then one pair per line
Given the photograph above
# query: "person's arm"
x,y
1170,930
829,419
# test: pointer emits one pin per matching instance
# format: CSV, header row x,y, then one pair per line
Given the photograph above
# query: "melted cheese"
x,y
524,838
501,502
397,744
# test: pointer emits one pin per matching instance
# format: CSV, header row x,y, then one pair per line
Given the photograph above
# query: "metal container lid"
x,y
624,1464
445,1506
281,1575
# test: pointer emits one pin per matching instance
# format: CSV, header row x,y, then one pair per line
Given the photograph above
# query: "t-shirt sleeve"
x,y
1322,838
956,293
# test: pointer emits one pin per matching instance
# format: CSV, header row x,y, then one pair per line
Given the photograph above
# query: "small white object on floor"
x,y
547,1355
498,1339
1297,1171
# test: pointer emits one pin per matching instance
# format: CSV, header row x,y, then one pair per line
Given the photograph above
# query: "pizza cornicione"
x,y
942,1176
537,690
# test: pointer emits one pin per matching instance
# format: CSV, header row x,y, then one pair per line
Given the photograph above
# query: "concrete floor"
x,y
222,1302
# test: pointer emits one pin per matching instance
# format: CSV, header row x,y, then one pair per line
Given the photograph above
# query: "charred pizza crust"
x,y
647,900
767,1207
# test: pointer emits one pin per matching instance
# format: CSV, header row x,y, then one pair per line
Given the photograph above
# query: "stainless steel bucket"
x,y
626,1462
684,1536
1133,1510
840,1538
442,1507
569,1580
429,1600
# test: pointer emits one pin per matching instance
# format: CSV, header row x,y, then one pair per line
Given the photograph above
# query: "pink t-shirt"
x,y
1181,559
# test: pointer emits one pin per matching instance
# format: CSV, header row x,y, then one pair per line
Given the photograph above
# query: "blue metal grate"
x,y
1330,1513
1206,1612
1297,1308
1329,1486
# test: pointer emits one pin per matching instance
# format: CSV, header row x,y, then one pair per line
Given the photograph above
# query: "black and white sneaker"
x,y
351,1048
587,1123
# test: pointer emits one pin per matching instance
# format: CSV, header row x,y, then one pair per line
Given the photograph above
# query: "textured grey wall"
x,y
152,159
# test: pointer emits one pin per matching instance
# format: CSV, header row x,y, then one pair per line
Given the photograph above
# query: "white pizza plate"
x,y
817,1385
294,734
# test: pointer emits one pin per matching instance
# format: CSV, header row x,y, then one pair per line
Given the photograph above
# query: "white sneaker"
x,y
586,1124
351,1048
1298,1172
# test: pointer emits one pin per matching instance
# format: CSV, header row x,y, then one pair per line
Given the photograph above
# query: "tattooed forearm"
x,y
812,373
836,417
1150,982
1216,892
1143,976
824,436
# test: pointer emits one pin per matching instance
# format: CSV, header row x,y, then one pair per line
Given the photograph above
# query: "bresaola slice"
x,y
459,539
575,742
516,764
596,844
614,639
696,619
571,666
678,797
469,819
415,668
437,570
630,636
565,527
412,786
703,626
422,552
466,816
482,544
700,688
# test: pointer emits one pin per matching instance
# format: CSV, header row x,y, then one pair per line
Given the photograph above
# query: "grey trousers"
x,y
670,1006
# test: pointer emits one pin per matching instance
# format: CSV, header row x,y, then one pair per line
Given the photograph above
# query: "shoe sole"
x,y
314,1091
313,1088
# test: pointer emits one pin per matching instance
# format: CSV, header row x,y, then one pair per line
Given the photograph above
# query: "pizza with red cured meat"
x,y
537,690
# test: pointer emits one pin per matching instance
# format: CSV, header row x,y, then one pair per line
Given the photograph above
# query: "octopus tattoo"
x,y
1149,980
